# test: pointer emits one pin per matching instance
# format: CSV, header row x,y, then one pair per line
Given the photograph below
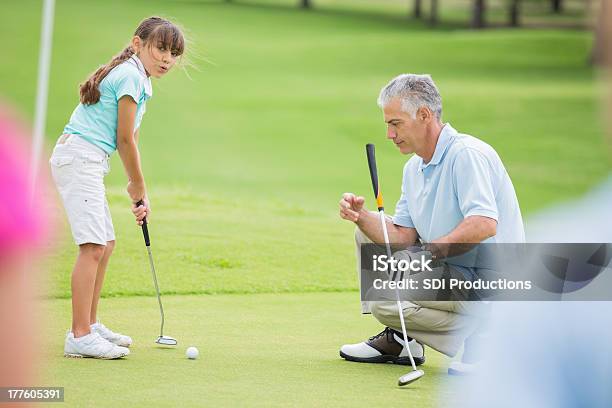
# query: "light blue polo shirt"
x,y
97,123
465,177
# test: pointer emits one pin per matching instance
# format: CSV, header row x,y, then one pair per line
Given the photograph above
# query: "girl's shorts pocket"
x,y
62,169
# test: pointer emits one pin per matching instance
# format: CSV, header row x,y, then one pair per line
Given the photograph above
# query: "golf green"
x,y
255,350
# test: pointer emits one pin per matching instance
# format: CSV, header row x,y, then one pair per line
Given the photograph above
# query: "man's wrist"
x,y
361,217
438,248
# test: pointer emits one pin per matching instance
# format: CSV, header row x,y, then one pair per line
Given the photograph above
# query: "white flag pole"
x,y
42,90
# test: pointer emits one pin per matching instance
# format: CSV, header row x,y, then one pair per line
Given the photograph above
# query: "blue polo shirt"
x,y
465,177
97,123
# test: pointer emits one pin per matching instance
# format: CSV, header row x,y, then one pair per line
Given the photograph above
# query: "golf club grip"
x,y
145,228
371,153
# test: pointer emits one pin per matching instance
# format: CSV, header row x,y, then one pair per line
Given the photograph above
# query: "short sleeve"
x,y
472,177
128,82
402,213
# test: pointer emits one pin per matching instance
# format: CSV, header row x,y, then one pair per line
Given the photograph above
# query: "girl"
x,y
108,118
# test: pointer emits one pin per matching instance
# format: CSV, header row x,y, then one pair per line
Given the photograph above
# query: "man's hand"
x,y
351,207
141,211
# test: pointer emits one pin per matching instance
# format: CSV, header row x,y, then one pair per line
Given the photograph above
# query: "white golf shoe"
x,y
387,346
92,346
107,334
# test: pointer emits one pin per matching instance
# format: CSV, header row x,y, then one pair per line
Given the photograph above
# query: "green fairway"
x,y
245,160
284,100
255,350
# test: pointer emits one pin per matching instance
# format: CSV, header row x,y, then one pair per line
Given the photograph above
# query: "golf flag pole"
x,y
371,154
42,90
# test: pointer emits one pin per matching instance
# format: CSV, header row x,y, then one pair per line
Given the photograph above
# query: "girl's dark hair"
x,y
151,31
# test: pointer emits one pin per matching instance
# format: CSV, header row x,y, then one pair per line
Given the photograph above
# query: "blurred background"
x,y
247,147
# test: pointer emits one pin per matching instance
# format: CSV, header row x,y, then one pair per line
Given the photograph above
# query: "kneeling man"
x,y
455,190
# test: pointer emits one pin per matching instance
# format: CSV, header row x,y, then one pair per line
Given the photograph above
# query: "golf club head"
x,y
166,341
410,377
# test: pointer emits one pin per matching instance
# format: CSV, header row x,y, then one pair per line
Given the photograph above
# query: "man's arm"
x,y
352,209
471,231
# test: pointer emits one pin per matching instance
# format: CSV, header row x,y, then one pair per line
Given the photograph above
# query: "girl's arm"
x,y
128,149
142,211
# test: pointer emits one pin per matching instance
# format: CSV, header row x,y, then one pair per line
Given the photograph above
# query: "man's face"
x,y
407,133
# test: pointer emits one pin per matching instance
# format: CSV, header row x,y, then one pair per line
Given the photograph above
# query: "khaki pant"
x,y
441,325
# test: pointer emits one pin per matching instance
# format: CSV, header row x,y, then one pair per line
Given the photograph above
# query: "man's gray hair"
x,y
414,91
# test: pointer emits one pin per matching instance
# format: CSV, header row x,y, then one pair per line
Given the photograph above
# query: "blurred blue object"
x,y
549,354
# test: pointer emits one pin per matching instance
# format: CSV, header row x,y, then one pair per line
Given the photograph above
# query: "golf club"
x,y
371,153
163,340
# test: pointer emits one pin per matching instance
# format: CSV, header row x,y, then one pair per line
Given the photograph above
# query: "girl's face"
x,y
156,58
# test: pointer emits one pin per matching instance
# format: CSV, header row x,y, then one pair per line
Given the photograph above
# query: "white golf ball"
x,y
192,353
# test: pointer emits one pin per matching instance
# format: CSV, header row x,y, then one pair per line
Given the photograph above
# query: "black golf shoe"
x,y
386,346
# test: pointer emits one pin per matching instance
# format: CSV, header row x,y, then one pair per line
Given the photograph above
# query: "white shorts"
x,y
78,169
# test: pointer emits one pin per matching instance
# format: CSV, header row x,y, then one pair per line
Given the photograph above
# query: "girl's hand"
x,y
141,211
136,190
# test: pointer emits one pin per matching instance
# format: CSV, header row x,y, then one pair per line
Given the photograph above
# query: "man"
x,y
455,190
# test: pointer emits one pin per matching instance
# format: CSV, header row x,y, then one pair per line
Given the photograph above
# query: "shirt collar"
x,y
447,135
147,83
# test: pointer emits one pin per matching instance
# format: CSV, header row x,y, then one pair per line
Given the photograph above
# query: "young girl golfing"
x,y
108,117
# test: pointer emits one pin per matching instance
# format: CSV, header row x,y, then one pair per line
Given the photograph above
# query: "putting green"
x,y
256,350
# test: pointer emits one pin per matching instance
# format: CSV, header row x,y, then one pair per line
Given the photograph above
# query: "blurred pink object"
x,y
21,225
22,235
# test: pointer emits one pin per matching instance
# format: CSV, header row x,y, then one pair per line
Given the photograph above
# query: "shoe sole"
x,y
384,359
72,355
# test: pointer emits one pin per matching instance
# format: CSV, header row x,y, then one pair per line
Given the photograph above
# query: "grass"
x,y
258,350
245,162
206,245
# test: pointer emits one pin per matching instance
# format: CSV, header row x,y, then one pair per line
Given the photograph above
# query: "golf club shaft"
x,y
400,311
371,155
161,308
145,234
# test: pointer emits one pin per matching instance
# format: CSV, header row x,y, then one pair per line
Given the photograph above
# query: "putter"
x,y
415,374
163,340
